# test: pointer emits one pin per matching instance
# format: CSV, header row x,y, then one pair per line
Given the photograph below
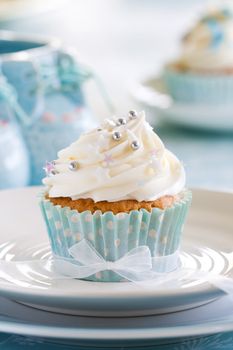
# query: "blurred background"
x,y
122,40
107,60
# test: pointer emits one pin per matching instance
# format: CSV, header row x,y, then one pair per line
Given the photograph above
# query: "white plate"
x,y
23,236
209,319
152,95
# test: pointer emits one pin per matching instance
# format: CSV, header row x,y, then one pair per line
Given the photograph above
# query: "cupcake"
x,y
204,72
118,188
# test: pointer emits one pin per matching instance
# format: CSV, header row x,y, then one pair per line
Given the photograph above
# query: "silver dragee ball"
x,y
73,166
135,145
116,135
133,114
121,121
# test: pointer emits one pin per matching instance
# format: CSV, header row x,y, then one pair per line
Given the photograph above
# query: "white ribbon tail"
x,y
223,283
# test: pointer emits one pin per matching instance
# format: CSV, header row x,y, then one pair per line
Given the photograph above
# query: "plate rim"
x,y
59,332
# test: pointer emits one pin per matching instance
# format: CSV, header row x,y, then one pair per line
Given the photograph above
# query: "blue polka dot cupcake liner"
x,y
114,235
199,89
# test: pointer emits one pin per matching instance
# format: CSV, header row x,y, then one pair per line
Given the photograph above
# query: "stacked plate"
x,y
108,313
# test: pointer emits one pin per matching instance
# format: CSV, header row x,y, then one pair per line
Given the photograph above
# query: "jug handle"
x,y
8,93
81,73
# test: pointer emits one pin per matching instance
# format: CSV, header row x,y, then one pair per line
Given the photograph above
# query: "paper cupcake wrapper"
x,y
114,235
199,89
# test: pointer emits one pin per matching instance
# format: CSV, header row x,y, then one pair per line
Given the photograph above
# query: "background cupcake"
x,y
204,71
118,187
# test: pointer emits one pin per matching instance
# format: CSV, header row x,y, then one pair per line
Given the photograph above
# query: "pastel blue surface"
x,y
207,157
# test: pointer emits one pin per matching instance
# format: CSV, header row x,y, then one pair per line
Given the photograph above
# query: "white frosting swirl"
x,y
209,45
111,170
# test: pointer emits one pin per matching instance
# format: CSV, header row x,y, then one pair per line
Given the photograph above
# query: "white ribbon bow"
x,y
133,266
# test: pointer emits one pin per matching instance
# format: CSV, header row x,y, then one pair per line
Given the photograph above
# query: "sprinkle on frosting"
x,y
113,170
50,168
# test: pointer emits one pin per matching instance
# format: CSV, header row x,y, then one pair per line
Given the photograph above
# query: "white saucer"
x,y
207,245
151,94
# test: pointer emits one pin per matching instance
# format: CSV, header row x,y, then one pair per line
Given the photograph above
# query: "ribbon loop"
x,y
85,254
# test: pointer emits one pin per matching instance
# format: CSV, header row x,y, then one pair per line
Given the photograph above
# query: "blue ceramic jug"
x,y
14,160
51,106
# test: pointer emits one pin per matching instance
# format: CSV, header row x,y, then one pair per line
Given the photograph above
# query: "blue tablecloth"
x,y
217,341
